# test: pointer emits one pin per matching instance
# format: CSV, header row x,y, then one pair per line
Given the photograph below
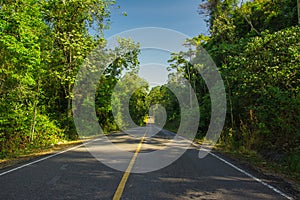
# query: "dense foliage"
x,y
42,46
256,47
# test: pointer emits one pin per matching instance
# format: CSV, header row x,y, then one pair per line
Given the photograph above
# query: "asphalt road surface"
x,y
77,174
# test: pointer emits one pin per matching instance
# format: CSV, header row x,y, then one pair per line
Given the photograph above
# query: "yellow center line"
x,y
122,184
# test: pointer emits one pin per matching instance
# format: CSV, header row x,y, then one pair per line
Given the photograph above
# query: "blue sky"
x,y
180,15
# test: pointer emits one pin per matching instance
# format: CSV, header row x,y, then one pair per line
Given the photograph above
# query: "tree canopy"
x,y
254,44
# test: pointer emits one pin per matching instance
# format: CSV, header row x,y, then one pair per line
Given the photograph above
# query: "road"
x,y
77,174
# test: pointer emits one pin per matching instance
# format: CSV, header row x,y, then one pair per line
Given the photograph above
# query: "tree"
x,y
42,45
22,70
255,45
70,23
124,59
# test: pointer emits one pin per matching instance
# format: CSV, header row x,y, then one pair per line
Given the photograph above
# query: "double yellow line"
x,y
122,184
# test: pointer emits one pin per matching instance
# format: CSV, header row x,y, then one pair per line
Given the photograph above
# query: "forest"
x,y
255,45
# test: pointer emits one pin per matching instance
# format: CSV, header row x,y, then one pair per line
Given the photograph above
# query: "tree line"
x,y
42,46
256,47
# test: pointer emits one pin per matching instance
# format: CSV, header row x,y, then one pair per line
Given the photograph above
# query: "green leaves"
x,y
256,47
42,45
124,58
264,77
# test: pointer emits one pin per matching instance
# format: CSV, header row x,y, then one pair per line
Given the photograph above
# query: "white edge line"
x,y
253,177
45,158
240,170
214,155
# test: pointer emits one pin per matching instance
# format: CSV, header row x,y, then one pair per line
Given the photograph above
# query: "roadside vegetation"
x,y
257,49
255,45
42,46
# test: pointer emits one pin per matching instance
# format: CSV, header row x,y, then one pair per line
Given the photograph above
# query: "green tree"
x,y
71,23
255,45
124,59
22,69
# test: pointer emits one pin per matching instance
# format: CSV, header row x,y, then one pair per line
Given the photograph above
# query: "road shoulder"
x,y
36,153
285,183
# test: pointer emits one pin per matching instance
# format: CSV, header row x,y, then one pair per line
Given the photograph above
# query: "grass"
x,y
257,162
253,159
28,154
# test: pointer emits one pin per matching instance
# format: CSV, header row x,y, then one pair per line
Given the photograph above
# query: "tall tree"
x,y
255,45
23,43
72,24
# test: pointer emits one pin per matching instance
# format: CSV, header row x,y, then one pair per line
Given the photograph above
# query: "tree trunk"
x,y
230,104
35,111
69,110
